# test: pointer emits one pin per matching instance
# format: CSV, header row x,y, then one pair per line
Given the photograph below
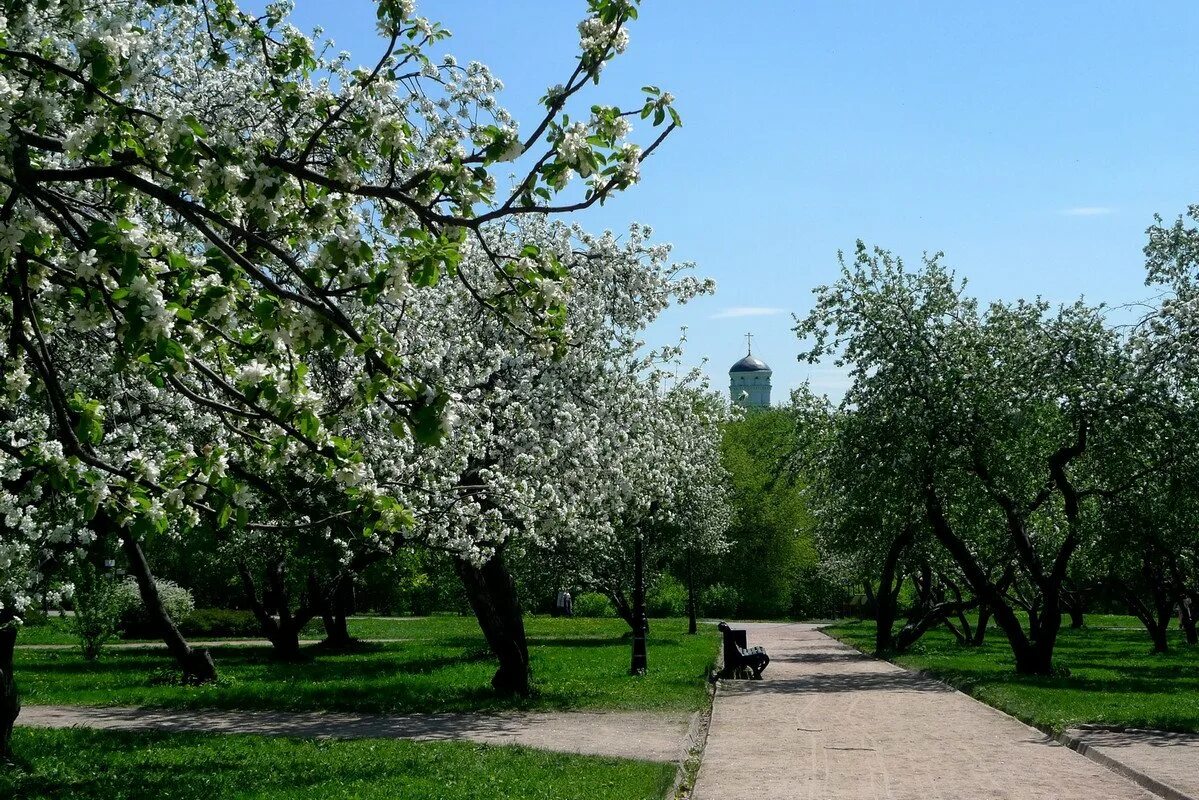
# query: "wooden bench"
x,y
739,658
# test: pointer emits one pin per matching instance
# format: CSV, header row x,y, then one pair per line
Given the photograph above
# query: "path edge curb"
x,y
1146,782
692,755
1079,746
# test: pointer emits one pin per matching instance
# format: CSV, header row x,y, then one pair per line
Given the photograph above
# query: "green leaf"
x,y
309,424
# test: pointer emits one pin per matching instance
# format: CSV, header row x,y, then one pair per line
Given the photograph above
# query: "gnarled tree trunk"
x,y
492,594
337,609
10,701
887,600
1032,658
691,611
1154,614
624,608
1188,607
283,627
980,629
196,663
1072,599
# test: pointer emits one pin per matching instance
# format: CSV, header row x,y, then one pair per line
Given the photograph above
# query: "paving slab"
x,y
1167,762
625,734
829,723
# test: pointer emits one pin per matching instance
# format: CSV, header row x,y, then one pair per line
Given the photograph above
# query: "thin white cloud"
x,y
1088,211
748,311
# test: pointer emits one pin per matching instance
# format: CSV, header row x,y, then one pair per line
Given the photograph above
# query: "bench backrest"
x,y
735,644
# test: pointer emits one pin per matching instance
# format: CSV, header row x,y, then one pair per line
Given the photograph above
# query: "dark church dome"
x,y
749,364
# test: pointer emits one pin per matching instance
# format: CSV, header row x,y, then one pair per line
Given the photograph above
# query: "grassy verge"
x,y
57,630
119,765
1107,675
443,665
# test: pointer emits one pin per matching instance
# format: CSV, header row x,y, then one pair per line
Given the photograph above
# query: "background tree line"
x,y
1007,462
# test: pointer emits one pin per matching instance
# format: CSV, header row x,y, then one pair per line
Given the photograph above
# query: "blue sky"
x,y
1031,142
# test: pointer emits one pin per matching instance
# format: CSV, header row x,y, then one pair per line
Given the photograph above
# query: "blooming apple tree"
x,y
196,203
545,450
987,422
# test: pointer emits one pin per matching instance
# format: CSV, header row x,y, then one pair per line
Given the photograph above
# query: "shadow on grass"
x,y
1109,677
573,667
163,764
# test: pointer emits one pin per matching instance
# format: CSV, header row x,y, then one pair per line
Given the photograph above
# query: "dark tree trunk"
x,y
639,661
980,630
691,621
911,632
966,635
1157,633
196,663
936,615
1076,616
337,630
624,609
1033,651
1073,602
1155,617
10,702
1034,619
1187,601
492,594
887,600
282,628
933,609
336,613
962,630
1029,659
1049,624
1188,606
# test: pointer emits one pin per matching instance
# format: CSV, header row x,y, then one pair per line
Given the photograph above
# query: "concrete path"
x,y
159,645
828,722
644,736
1167,762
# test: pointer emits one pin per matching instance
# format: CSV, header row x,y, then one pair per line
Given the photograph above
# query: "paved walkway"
x,y
829,723
1169,759
644,736
159,645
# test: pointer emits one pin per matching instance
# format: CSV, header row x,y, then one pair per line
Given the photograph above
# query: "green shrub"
x,y
214,623
719,600
99,603
593,604
412,582
32,619
135,621
667,598
820,593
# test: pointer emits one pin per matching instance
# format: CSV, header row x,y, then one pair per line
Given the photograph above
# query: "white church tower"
x,y
749,379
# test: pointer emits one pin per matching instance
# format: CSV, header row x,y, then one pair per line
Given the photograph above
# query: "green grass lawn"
x,y
57,630
1113,677
443,665
116,765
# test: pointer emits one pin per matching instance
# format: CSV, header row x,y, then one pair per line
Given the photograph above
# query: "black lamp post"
x,y
640,622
